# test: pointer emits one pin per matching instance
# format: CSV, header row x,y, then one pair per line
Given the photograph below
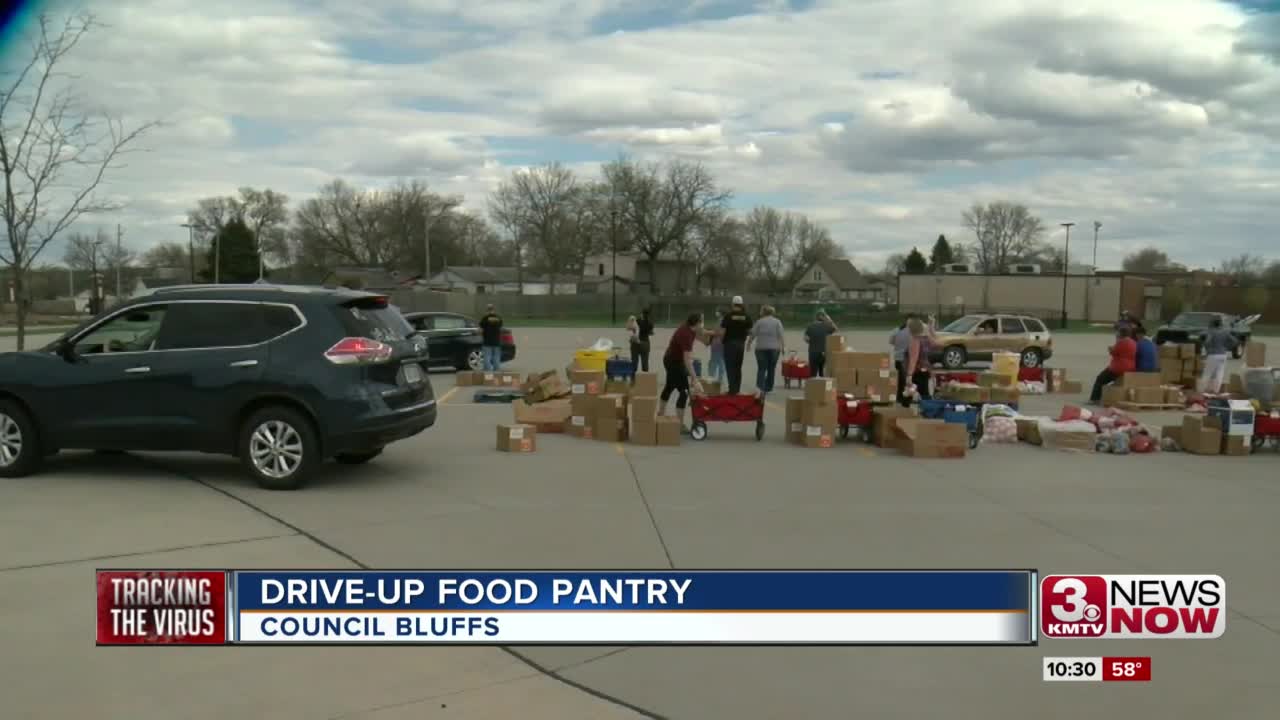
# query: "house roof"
x,y
842,273
484,275
371,278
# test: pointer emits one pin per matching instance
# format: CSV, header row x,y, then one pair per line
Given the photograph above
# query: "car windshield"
x,y
1197,320
963,325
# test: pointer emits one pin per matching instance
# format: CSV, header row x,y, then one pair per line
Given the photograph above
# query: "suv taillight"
x,y
508,338
358,351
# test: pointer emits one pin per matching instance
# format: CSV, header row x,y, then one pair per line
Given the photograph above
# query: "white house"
x,y
475,280
837,279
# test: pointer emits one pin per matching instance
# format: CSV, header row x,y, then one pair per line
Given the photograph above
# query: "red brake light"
x,y
358,351
508,338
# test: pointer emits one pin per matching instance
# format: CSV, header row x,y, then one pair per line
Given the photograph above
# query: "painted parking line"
x,y
444,399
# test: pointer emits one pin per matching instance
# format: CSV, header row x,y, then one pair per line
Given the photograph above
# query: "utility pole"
x,y
119,258
613,263
426,247
191,249
1066,264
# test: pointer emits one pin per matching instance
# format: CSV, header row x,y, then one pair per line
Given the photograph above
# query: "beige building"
x,y
1094,297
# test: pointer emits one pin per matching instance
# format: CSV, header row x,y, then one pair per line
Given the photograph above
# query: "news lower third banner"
x,y
177,607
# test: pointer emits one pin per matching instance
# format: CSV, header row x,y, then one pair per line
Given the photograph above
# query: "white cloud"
x,y
885,120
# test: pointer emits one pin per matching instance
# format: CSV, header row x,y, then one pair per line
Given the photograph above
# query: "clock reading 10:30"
x,y
1073,669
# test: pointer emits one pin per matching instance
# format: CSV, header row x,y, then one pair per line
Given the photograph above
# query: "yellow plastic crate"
x,y
592,359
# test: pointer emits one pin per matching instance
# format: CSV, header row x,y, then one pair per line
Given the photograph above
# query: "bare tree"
x,y
167,255
507,210
813,244
894,264
555,213
340,226
1243,269
1004,233
771,237
662,202
53,155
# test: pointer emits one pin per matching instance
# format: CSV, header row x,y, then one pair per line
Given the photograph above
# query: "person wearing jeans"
x,y
900,341
491,332
1218,344
767,335
816,336
734,329
715,369
1124,356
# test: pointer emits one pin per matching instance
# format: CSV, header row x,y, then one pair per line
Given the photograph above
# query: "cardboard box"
x,y
581,426
586,382
966,393
611,407
547,417
643,408
1147,395
884,423
467,378
819,436
617,387
1029,431
511,379
1173,395
1237,445
868,360
1255,354
835,344
1171,373
1113,394
614,430
488,379
824,415
1139,380
1053,379
994,380
820,391
877,385
667,431
795,420
1168,350
1005,396
644,432
646,384
1201,435
584,405
921,438
712,387
847,382
1187,351
1081,440
517,438
1072,387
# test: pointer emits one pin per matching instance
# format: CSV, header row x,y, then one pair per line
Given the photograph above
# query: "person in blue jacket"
x,y
1146,358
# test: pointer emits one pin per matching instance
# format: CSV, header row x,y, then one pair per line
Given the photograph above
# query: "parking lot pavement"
x,y
446,499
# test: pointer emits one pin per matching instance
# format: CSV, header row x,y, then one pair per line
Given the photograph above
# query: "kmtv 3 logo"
x,y
1133,606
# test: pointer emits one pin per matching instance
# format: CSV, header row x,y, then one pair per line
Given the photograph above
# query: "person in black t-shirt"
x,y
640,343
735,327
491,330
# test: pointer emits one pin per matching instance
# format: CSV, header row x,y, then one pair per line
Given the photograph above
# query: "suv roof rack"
x,y
246,287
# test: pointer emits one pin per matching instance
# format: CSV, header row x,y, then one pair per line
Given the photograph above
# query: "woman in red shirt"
x,y
1124,358
678,362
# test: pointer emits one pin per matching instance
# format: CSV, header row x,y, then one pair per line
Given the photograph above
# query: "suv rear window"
x,y
1012,326
373,319
1035,326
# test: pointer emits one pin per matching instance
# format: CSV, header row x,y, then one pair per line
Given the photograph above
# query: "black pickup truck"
x,y
1190,327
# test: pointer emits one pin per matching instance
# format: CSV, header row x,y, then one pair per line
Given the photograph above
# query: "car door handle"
x,y
244,363
138,370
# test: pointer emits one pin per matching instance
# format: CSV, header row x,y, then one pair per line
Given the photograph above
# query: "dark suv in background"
x,y
282,377
1191,327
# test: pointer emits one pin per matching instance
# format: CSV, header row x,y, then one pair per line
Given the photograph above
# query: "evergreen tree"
x,y
234,251
915,263
941,255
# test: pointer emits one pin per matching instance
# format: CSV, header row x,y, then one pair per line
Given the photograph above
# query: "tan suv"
x,y
976,337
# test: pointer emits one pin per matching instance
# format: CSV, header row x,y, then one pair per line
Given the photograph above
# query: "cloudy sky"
x,y
883,119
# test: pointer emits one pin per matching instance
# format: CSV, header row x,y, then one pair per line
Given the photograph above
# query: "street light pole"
x,y
1066,264
191,249
613,265
119,258
1096,227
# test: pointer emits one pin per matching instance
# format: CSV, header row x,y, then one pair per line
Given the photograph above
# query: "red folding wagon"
x,y
793,368
853,414
727,409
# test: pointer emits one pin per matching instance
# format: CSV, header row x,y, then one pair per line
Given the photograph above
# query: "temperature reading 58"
x,y
1126,669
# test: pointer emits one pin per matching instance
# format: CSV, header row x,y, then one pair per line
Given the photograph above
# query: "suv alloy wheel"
x,y
19,448
278,447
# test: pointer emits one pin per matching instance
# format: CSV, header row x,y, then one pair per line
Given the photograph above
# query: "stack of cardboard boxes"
x,y
884,424
1255,354
1000,388
812,419
1055,381
585,386
1226,430
864,375
646,427
921,438
1179,365
469,378
1142,391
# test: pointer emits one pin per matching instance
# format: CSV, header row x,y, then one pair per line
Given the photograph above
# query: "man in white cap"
x,y
735,328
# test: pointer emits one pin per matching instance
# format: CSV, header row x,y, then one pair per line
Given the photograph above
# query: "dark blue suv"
x,y
282,377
